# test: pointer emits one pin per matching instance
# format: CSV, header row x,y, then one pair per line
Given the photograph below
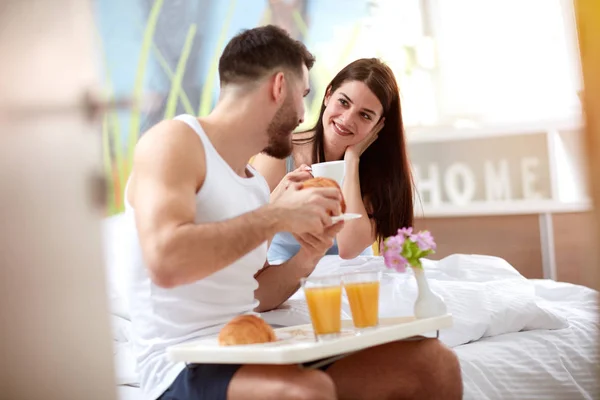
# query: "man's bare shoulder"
x,y
170,154
169,139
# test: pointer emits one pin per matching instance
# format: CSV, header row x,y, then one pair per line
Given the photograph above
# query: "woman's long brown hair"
x,y
384,171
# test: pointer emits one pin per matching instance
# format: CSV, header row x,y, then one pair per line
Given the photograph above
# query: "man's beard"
x,y
280,131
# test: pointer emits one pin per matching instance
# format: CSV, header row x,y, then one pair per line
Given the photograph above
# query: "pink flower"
x,y
395,242
394,260
424,240
406,232
407,248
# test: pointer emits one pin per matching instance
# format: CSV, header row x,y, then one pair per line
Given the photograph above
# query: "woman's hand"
x,y
298,175
357,149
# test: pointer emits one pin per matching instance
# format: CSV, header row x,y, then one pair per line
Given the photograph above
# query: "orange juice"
x,y
364,303
325,307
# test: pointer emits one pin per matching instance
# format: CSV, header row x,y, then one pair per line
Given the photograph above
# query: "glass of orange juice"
x,y
362,289
324,299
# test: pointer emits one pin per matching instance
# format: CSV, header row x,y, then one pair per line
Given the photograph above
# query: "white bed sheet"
x,y
539,364
498,360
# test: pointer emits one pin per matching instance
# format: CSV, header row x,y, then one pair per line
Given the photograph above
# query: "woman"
x,y
360,122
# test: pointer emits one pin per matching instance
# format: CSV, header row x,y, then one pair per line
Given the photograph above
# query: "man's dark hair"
x,y
253,53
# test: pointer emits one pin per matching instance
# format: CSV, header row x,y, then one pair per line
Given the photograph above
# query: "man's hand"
x,y
298,175
315,246
307,210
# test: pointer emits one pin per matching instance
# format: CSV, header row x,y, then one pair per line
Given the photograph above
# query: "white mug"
x,y
331,169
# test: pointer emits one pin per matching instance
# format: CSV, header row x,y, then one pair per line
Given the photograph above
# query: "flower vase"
x,y
428,303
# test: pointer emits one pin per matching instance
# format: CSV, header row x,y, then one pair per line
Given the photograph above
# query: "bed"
x,y
515,338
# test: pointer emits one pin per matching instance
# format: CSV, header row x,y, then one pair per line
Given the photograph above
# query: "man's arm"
x,y
278,282
169,169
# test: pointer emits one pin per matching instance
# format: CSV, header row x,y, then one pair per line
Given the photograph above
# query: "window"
x,y
506,62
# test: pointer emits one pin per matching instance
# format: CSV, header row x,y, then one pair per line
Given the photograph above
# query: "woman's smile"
x,y
341,129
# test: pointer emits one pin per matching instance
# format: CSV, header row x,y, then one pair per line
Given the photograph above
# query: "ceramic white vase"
x,y
428,303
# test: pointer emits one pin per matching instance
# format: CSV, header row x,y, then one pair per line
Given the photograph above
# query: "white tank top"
x,y
165,317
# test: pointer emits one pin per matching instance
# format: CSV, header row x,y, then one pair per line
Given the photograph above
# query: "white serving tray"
x,y
296,344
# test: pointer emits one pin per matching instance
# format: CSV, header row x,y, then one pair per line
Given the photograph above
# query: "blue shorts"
x,y
201,381
205,382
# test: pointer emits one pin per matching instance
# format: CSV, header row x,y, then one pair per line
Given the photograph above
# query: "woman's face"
x,y
351,112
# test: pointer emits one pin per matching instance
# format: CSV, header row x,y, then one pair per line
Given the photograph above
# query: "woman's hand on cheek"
x,y
356,150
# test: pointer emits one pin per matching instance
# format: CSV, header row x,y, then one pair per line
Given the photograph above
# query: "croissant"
x,y
324,182
246,329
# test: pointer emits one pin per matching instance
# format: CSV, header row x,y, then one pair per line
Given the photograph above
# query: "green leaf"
x,y
302,27
138,89
171,107
407,250
112,140
209,83
185,101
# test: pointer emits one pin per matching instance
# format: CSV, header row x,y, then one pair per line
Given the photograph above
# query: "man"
x,y
201,219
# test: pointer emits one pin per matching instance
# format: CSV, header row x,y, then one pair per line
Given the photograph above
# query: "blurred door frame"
x,y
55,336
